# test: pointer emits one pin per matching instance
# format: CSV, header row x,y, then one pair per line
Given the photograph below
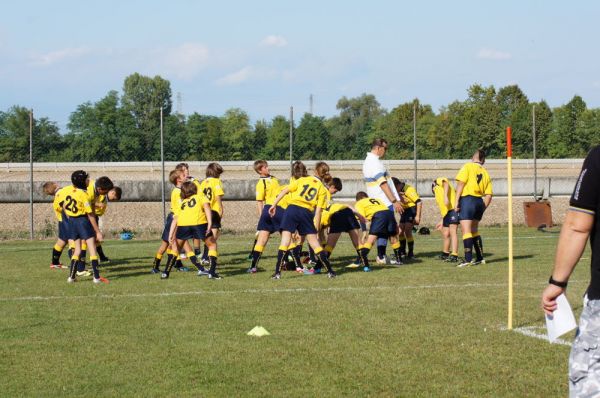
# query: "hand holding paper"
x,y
562,319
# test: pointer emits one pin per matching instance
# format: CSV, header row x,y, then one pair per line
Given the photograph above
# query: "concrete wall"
x,y
150,191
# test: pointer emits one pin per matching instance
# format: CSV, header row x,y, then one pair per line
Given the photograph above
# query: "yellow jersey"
x,y
307,192
438,192
91,190
367,207
410,197
283,203
267,189
77,202
175,199
191,211
476,178
100,205
57,204
211,188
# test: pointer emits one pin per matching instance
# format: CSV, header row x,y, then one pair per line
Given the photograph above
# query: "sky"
x,y
265,56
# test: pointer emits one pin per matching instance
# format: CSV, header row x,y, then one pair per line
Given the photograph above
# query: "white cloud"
x,y
495,55
274,41
237,77
186,60
53,57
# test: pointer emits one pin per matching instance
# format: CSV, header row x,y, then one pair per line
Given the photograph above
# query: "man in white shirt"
x,y
380,186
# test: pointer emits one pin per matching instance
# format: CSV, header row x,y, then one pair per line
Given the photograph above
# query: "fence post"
x,y
31,174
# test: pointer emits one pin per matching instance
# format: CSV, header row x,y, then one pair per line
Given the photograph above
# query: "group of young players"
x,y
78,208
303,210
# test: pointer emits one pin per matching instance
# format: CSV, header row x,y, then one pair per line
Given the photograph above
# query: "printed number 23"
x,y
308,194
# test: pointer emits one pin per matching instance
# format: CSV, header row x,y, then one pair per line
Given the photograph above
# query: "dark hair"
x,y
398,183
299,169
480,155
361,195
118,192
188,189
336,183
174,176
259,164
79,179
214,170
379,142
104,183
182,166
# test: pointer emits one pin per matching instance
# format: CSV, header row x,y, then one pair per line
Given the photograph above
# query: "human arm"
x,y
487,199
92,218
277,200
220,202
571,244
259,206
361,218
446,187
317,219
418,216
173,229
459,189
391,197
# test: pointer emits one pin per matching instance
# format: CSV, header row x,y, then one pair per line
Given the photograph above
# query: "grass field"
x,y
425,329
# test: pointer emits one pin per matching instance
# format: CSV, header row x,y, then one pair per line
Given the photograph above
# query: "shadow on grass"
x,y
503,259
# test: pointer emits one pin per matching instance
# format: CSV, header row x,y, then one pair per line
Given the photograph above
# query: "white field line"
x,y
259,291
532,331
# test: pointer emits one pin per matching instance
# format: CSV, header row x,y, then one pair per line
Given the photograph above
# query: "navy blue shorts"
x,y
216,219
299,219
471,208
192,232
343,221
450,218
408,215
268,223
167,229
80,228
63,230
384,224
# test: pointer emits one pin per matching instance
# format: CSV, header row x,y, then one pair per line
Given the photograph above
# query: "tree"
x,y
14,137
143,97
351,131
260,138
311,137
278,139
237,133
564,126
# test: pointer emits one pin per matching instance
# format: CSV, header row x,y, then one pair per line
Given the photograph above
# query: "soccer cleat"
x,y
465,264
202,272
353,265
307,271
276,275
251,270
395,262
183,269
443,257
331,274
84,273
410,256
100,280
155,271
452,259
104,260
214,275
71,280
366,269
57,266
317,270
164,275
381,260
300,270
478,262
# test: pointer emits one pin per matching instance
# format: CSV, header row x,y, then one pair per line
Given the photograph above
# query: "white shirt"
x,y
375,174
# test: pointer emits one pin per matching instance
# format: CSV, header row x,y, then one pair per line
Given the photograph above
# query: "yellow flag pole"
x,y
510,226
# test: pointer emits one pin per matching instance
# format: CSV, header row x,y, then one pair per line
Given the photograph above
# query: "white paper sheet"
x,y
562,319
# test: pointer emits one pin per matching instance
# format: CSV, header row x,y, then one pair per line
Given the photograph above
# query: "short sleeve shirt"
x,y
586,199
375,174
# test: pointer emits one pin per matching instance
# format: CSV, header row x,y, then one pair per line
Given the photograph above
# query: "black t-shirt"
x,y
586,198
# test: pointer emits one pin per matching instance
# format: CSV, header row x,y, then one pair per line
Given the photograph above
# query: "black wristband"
x,y
394,201
557,283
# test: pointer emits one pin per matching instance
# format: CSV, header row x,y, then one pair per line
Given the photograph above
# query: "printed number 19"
x,y
308,194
